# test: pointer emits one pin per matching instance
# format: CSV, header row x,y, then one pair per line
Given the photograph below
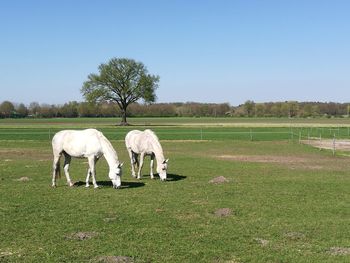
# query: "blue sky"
x,y
205,51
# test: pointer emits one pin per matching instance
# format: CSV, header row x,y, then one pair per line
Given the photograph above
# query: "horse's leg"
x,y
88,177
67,159
142,157
136,156
132,161
56,168
92,161
152,161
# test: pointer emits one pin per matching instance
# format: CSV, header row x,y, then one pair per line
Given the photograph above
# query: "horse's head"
x,y
115,175
161,169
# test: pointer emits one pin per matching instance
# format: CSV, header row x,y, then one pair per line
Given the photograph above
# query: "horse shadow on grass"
x,y
170,177
175,177
109,184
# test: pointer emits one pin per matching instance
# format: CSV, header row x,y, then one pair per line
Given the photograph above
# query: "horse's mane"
x,y
152,134
155,139
108,145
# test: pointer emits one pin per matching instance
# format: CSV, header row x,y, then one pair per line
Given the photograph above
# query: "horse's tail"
x,y
57,168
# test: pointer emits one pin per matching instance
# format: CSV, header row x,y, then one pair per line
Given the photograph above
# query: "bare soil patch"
x,y
339,251
219,180
23,179
262,242
29,154
223,212
341,145
114,259
292,162
5,254
264,158
110,219
294,235
81,235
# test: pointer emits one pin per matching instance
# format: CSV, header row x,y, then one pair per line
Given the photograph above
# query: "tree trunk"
x,y
123,121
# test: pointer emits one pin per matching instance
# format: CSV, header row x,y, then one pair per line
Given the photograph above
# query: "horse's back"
x,y
140,141
130,137
77,142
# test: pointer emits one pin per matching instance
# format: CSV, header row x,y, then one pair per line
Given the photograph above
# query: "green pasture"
x,y
285,202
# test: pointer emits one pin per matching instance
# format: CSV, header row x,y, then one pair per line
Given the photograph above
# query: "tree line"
x,y
109,109
189,109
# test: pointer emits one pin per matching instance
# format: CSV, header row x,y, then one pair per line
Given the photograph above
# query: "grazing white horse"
x,y
145,143
90,144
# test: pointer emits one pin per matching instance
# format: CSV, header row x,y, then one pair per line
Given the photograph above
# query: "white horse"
x,y
90,144
145,143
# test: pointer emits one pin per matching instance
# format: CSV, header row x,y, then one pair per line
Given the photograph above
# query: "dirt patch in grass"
x,y
28,154
292,162
219,180
81,235
294,236
223,212
23,179
109,219
264,158
6,254
114,259
262,242
339,251
340,145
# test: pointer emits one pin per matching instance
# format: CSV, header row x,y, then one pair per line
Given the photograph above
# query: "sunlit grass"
x,y
288,203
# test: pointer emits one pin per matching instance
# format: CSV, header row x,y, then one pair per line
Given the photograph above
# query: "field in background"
x,y
184,128
202,121
282,201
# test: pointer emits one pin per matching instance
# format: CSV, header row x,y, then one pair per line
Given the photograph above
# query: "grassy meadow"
x,y
281,202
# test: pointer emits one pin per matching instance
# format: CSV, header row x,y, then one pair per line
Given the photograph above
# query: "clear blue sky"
x,y
205,51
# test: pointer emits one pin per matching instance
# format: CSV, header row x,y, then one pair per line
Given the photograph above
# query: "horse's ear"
x,y
120,165
165,161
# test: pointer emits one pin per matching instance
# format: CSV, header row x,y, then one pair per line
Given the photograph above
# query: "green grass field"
x,y
285,202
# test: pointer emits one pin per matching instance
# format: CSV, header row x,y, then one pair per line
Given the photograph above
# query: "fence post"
x,y
201,134
299,137
251,135
334,144
320,141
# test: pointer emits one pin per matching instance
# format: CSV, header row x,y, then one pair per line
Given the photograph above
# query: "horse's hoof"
x,y
96,187
87,186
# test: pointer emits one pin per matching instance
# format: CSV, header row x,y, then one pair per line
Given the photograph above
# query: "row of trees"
x,y
291,109
189,109
109,109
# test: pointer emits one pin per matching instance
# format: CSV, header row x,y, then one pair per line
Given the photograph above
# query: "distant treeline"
x,y
189,109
